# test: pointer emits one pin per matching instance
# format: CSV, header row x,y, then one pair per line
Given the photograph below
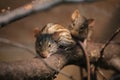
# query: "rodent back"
x,y
61,34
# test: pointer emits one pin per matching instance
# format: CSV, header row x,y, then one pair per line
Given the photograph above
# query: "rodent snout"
x,y
44,54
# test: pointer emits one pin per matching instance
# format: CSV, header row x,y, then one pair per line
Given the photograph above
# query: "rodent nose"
x,y
44,54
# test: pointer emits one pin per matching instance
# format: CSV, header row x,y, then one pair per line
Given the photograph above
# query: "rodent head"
x,y
45,45
80,25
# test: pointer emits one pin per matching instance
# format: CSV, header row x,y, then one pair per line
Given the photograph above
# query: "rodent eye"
x,y
82,27
73,24
49,45
40,43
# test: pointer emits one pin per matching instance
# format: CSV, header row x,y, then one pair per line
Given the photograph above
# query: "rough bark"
x,y
111,55
37,68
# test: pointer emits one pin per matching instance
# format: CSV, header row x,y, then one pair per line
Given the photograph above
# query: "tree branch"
x,y
36,68
6,41
26,10
29,69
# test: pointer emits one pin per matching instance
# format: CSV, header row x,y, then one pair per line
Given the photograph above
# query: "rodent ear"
x,y
75,14
91,22
36,32
55,36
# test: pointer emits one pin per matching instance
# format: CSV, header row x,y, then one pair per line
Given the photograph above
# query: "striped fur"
x,y
62,35
51,38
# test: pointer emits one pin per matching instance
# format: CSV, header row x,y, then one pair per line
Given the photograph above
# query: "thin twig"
x,y
6,41
101,73
108,42
103,48
87,58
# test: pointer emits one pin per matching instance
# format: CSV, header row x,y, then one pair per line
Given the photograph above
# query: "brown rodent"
x,y
51,38
81,26
81,33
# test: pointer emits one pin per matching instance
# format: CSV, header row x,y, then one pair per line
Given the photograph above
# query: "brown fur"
x,y
80,26
54,34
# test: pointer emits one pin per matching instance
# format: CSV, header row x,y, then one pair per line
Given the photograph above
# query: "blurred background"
x,y
105,12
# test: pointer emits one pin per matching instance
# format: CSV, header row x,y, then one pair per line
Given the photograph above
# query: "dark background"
x,y
105,12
